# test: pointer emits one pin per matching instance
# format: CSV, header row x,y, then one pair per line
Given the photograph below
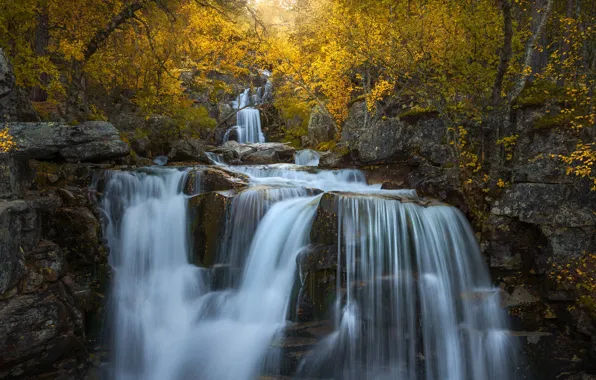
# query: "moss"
x,y
539,93
417,113
548,121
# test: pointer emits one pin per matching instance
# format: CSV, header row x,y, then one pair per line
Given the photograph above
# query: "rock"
x,y
355,124
205,179
189,150
393,140
12,266
208,213
90,141
36,331
321,127
263,157
141,145
96,151
14,105
15,176
258,153
49,261
441,183
549,204
76,230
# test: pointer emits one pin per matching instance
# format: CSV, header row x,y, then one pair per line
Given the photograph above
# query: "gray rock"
x,y
189,150
89,141
355,124
15,176
321,127
548,204
36,331
259,153
12,266
393,140
96,151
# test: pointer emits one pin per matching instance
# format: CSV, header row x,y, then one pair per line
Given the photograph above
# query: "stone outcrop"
x,y
51,263
209,178
14,104
189,150
321,128
87,142
258,153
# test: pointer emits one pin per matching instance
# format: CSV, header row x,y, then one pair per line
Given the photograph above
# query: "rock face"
x,y
189,150
89,141
321,128
253,154
14,104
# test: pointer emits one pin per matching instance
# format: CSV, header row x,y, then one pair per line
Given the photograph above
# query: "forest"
x,y
484,105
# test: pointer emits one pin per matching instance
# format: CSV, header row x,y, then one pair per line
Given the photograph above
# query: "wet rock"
x,y
207,213
89,141
262,157
321,128
189,150
205,179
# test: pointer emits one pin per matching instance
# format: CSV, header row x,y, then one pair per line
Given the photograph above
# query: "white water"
x,y
248,119
307,157
417,302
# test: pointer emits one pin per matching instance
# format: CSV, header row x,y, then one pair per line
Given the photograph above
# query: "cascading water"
x,y
413,302
415,272
307,157
248,118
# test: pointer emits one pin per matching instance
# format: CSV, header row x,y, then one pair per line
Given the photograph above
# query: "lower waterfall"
x,y
413,295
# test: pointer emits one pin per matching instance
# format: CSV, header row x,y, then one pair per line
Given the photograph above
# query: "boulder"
x,y
89,141
321,127
355,124
393,140
14,105
189,150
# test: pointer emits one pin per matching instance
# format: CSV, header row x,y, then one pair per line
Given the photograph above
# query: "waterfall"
x,y
307,157
248,118
413,296
416,272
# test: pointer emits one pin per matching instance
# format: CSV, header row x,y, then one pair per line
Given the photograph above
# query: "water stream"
x,y
414,299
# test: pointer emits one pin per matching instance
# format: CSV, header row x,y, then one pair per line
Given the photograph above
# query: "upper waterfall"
x,y
248,118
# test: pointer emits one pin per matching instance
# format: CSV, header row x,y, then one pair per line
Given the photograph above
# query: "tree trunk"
x,y
40,47
506,51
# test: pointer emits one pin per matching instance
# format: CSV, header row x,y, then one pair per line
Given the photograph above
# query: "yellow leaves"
x,y
6,141
380,90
